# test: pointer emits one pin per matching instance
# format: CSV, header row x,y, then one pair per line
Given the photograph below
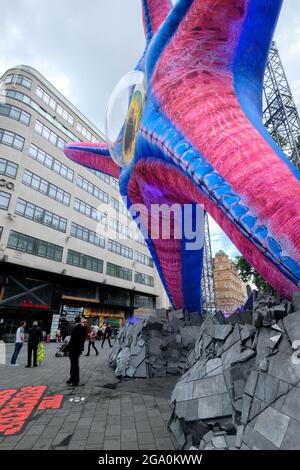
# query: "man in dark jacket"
x,y
35,337
107,336
76,347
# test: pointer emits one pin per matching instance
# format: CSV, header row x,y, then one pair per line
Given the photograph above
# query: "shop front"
x,y
25,299
54,301
100,304
99,316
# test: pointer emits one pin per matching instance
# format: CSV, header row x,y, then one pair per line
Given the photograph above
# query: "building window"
x,y
118,271
1,231
19,80
85,262
13,112
141,278
44,187
143,259
20,242
121,228
54,105
50,162
89,211
40,215
119,206
100,175
65,115
87,235
4,200
92,189
8,168
142,301
140,239
115,184
120,249
17,95
11,139
49,135
87,134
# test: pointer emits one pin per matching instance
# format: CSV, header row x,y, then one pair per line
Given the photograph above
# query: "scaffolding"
x,y
208,288
281,117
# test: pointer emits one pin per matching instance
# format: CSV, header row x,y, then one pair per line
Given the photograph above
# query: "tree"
x,y
250,275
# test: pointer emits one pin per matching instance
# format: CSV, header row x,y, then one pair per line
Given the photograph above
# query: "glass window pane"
x,y
38,127
18,142
39,214
42,248
8,138
29,211
4,200
39,92
44,186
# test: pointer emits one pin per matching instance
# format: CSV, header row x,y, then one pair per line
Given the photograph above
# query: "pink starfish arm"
x,y
93,155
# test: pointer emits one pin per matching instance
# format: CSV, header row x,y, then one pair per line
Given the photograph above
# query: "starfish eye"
x,y
124,112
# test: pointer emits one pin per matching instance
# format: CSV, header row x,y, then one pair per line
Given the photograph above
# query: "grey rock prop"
x,y
241,389
156,346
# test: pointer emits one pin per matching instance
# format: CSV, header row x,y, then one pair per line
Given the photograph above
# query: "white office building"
x,y
53,258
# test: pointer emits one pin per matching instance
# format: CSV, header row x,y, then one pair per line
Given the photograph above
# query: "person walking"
x,y
96,329
58,335
102,331
18,344
76,347
92,338
107,336
35,337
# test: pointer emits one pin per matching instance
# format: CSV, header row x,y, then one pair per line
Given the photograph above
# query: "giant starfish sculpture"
x,y
199,138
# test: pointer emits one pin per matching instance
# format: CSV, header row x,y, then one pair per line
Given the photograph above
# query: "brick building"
x,y
231,291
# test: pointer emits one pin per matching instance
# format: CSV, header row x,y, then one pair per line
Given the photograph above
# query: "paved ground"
x,y
127,414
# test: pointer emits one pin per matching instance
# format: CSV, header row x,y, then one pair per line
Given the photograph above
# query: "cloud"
x,y
83,50
287,37
220,241
295,85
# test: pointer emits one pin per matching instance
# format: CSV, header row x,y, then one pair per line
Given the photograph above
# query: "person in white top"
x,y
19,343
96,329
58,335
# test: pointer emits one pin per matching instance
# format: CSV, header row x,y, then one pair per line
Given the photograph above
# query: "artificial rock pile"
x,y
155,346
242,387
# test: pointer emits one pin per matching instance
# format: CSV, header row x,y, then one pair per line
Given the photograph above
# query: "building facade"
x,y
67,244
230,290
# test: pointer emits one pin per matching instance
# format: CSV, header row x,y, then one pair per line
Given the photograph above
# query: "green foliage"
x,y
250,275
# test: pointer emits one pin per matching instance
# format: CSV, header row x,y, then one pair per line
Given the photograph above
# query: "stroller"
x,y
64,348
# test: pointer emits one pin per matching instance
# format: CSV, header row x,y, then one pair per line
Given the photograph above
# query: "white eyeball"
x,y
124,112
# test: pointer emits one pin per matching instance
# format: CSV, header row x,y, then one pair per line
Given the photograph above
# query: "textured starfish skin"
x,y
201,140
93,155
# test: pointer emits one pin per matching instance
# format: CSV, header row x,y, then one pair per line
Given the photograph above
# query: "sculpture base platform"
x,y
242,389
155,346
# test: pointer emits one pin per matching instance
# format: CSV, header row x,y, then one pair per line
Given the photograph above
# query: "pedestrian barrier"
x,y
2,353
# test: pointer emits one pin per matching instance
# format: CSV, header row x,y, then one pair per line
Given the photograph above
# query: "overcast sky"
x,y
84,48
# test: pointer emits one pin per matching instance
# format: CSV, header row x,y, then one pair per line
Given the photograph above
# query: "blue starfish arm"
x,y
154,14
